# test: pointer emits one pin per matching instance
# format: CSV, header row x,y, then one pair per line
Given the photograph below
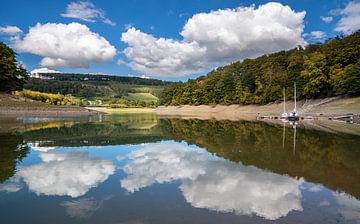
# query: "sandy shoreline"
x,y
320,107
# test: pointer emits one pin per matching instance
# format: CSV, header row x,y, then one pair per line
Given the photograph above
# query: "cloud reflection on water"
x,y
213,183
69,173
348,206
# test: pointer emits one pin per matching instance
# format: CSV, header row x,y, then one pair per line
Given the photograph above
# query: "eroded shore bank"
x,y
319,107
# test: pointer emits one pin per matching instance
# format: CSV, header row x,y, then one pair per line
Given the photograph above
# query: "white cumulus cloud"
x,y
86,11
213,183
10,30
70,173
216,38
350,20
66,45
162,56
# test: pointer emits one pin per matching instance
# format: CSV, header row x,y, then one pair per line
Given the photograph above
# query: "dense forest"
x,y
319,70
99,78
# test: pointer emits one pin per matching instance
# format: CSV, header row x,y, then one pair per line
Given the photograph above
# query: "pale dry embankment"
x,y
11,106
122,110
319,107
322,109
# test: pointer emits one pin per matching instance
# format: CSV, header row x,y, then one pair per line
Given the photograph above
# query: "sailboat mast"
x,y
284,99
295,96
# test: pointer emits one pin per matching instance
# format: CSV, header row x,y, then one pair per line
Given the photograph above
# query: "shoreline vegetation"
x,y
14,106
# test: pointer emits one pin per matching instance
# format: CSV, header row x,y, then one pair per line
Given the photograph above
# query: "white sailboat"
x,y
294,116
284,115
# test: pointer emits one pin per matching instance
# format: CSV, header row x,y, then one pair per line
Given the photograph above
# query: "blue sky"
x,y
156,30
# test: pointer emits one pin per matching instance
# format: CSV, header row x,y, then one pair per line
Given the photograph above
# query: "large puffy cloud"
x,y
162,56
216,38
66,45
350,20
213,183
86,11
70,173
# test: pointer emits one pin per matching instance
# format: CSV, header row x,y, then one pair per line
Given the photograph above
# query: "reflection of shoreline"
x,y
335,158
323,124
312,107
212,182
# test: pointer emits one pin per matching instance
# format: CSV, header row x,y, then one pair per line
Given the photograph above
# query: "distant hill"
x,y
91,85
319,70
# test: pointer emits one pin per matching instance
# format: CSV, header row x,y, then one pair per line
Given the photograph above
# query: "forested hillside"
x,y
319,70
89,85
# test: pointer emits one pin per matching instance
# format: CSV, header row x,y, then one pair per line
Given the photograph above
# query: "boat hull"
x,y
293,118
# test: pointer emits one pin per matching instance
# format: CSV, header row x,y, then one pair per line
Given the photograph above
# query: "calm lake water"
x,y
145,169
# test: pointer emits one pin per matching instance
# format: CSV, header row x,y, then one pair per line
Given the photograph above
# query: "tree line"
x,y
319,70
100,78
89,89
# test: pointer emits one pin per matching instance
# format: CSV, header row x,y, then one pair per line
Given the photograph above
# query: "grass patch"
x,y
141,97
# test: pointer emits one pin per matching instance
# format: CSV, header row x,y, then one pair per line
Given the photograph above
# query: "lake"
x,y
140,168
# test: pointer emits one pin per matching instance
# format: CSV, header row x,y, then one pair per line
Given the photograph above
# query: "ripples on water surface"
x,y
143,169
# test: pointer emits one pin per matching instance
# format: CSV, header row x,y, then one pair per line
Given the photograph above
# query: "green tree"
x,y
12,74
337,79
352,79
315,75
